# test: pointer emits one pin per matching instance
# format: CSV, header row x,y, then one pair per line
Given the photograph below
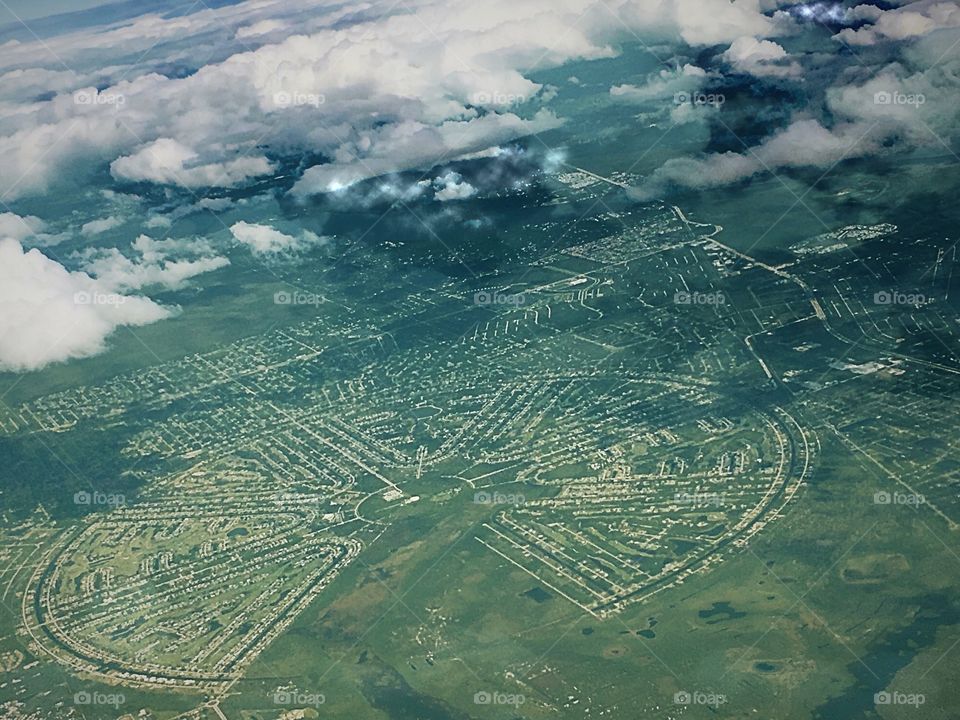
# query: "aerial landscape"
x,y
435,360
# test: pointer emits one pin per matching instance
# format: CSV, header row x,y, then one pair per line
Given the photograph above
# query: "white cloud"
x,y
664,84
20,227
762,58
169,162
910,21
415,145
157,221
24,84
28,229
154,266
265,240
869,13
804,143
51,314
680,92
213,205
260,28
392,89
95,227
889,109
452,186
402,87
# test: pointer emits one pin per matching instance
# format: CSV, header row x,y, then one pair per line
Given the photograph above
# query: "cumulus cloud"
x,y
679,92
761,58
167,161
860,13
20,227
910,21
151,263
415,145
490,171
371,94
664,84
452,186
52,314
27,229
905,99
878,100
157,221
95,227
805,143
26,84
381,93
264,240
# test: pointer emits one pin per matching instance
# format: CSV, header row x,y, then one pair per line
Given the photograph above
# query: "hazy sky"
x,y
28,10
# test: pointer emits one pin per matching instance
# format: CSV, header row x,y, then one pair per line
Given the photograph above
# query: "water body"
x,y
648,632
538,594
886,658
724,609
388,691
